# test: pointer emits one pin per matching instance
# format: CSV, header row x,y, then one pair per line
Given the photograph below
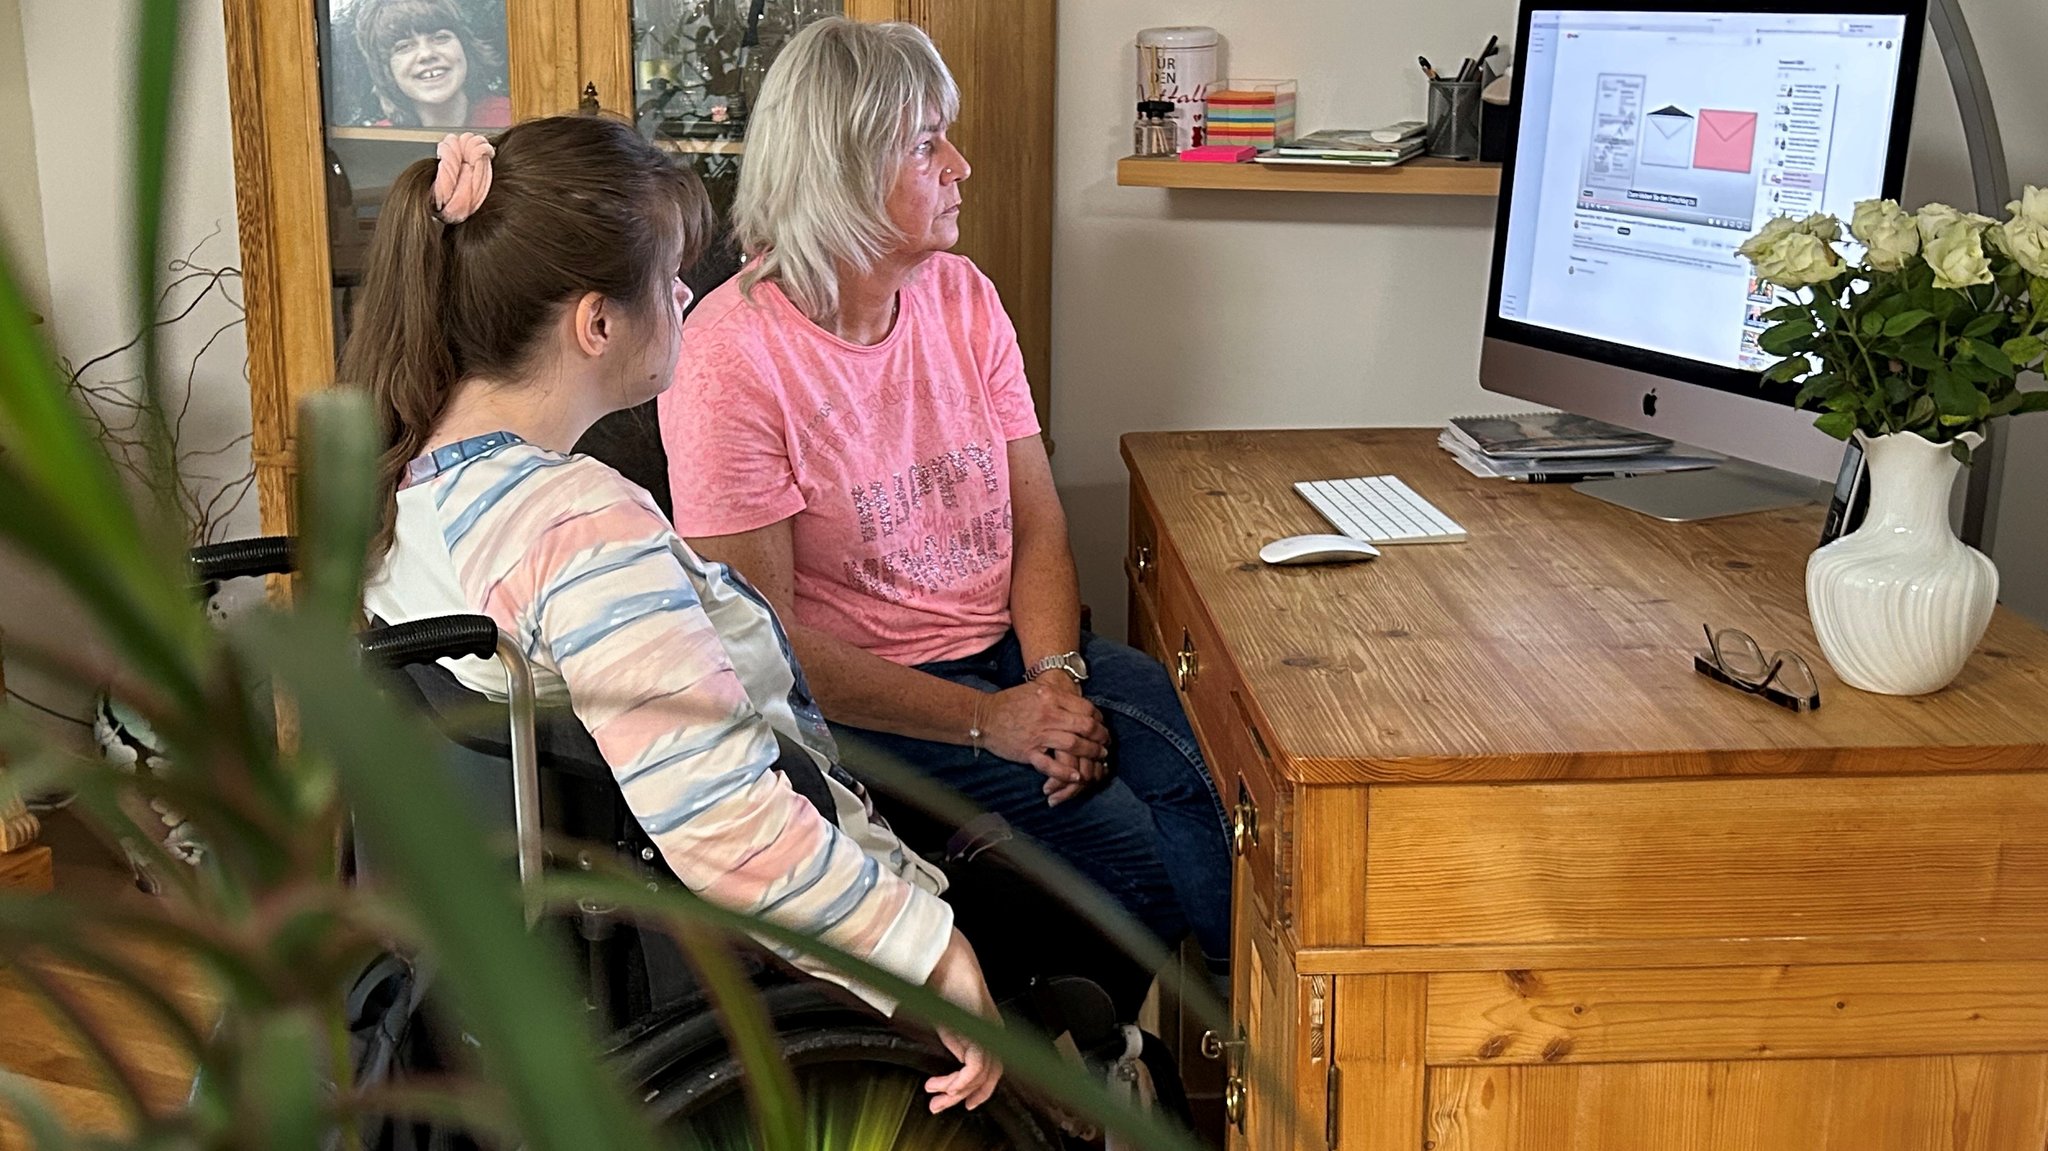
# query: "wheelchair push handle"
x,y
425,640
450,636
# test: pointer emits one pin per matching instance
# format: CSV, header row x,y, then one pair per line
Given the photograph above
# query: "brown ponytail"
x,y
577,204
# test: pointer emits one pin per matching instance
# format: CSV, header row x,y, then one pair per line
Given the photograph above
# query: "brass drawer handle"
x,y
1186,664
1143,563
1233,1101
1244,821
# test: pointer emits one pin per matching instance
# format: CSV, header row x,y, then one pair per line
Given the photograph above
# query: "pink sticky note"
x,y
1219,153
1726,140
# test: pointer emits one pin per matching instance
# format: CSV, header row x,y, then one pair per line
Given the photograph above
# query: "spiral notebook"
x,y
1538,435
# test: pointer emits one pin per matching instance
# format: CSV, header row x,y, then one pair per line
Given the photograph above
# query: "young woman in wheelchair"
x,y
517,291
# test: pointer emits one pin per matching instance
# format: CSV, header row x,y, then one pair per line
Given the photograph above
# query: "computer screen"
x,y
1654,143
1648,144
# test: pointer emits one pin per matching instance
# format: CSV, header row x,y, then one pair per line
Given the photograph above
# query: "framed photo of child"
x,y
417,64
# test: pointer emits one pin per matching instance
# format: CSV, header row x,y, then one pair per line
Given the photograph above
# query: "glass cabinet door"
x,y
396,76
697,70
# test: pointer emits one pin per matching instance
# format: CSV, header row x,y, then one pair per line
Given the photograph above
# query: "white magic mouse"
x,y
1317,549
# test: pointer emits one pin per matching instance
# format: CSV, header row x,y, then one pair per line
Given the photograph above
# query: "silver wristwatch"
x,y
1069,662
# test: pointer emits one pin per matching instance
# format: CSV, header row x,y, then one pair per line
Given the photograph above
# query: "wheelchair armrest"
x,y
235,559
425,640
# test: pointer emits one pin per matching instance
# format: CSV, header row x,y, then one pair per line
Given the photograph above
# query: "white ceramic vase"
x,y
1899,604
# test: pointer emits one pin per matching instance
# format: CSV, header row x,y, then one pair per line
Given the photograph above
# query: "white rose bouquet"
x,y
1928,333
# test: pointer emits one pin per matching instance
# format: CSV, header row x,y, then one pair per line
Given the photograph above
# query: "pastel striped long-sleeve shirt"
x,y
681,674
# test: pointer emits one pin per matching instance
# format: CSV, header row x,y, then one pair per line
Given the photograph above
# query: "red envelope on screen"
x,y
1726,140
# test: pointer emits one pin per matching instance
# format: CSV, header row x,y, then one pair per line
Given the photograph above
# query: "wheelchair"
x,y
540,773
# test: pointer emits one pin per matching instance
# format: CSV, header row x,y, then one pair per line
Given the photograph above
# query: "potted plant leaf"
x,y
1911,334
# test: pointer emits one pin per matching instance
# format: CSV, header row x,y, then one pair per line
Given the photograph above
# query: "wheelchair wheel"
x,y
860,1083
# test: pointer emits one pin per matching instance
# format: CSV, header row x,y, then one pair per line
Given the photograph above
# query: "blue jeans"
x,y
1152,835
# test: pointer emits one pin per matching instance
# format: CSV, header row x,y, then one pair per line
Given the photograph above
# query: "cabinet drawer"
x,y
1927,856
1240,760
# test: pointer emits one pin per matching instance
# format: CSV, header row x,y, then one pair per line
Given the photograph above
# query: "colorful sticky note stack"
x,y
1257,113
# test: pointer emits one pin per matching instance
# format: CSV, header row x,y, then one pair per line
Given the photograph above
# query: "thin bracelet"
x,y
974,731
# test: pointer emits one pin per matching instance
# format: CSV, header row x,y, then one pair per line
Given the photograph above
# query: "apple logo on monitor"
x,y
1650,402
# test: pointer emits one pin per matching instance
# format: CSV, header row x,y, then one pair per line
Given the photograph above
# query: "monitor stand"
x,y
1733,488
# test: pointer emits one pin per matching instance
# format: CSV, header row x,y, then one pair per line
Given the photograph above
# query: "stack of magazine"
x,y
1344,148
1558,447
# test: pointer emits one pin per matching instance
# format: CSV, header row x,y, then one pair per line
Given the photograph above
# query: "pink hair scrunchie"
x,y
464,177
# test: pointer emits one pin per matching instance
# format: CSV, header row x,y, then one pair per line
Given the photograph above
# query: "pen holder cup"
x,y
1452,129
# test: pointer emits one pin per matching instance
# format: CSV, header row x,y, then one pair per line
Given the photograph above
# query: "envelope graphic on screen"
x,y
1727,140
1667,137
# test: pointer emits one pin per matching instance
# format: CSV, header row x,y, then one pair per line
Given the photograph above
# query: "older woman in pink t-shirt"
x,y
852,430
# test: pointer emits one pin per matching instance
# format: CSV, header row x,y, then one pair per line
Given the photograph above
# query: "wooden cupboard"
x,y
1511,876
315,135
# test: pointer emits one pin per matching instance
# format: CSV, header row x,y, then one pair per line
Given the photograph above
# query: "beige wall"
x,y
81,99
1243,309
21,202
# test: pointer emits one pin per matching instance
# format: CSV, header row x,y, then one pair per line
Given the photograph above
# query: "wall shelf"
x,y
1422,176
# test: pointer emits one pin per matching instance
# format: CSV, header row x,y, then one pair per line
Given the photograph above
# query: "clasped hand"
x,y
1049,725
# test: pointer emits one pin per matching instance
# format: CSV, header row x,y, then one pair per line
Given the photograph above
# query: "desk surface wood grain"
x,y
1556,644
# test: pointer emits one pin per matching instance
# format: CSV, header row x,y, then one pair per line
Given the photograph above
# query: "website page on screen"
x,y
1653,144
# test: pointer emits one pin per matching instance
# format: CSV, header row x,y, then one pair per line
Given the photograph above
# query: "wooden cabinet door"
x,y
1264,1009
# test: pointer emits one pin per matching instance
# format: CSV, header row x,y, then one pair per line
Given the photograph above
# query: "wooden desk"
x,y
1512,875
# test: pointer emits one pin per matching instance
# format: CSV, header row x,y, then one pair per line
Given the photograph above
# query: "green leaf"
x,y
2024,351
1785,312
771,1089
287,1096
1816,386
1991,357
337,497
1786,370
1921,412
1983,325
1029,1058
1905,322
1921,356
1837,424
34,1114
62,502
1953,396
1872,323
1784,339
2034,401
1961,452
1896,390
509,991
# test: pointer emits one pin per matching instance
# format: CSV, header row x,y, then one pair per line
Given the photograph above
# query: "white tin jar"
x,y
1178,64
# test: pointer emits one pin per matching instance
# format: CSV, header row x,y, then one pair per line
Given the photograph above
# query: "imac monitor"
x,y
1649,144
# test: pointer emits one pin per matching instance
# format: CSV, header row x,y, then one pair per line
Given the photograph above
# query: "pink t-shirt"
x,y
893,459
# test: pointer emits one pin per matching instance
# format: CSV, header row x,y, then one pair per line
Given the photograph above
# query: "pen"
x,y
1465,70
1426,69
1492,46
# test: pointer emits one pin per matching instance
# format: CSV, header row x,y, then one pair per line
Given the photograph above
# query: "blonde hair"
x,y
829,133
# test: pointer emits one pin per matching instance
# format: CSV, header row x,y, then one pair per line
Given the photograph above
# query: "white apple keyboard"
x,y
1316,550
1380,510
